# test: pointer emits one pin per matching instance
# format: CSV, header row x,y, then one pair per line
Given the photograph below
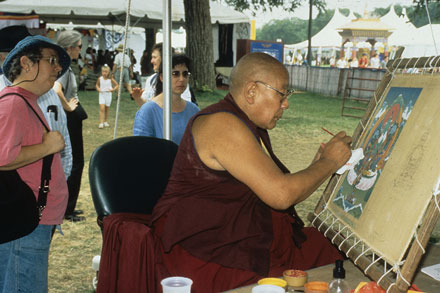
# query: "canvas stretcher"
x,y
382,212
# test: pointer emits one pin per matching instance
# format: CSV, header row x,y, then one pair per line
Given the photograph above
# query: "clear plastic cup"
x,y
176,285
267,289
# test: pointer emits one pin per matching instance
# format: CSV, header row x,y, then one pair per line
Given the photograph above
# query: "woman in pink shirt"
x,y
32,67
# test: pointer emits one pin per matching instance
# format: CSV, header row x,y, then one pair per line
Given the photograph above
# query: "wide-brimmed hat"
x,y
120,48
11,35
36,41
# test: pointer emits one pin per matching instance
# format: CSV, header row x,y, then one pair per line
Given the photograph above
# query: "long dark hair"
x,y
176,60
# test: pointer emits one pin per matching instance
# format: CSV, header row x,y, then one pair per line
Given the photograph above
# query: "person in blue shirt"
x,y
149,118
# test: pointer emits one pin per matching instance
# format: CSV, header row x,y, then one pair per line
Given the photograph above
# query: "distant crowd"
x,y
376,61
364,62
93,60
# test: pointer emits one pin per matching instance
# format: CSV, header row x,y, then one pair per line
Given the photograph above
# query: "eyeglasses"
x,y
177,73
283,95
52,60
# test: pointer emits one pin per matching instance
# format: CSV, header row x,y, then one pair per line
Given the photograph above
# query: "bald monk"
x,y
227,217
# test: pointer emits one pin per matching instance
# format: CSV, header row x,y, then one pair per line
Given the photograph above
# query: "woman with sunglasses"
x,y
67,90
141,96
32,67
149,118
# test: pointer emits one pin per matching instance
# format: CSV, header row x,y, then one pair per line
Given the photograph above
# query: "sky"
x,y
303,12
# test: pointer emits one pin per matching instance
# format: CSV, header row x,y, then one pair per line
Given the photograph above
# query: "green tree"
x,y
293,30
418,16
379,11
264,5
195,15
344,11
421,3
323,18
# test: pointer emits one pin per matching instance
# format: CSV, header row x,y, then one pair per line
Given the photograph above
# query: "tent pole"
x,y
124,48
166,62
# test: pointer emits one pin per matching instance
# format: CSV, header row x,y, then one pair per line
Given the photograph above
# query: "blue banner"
x,y
273,49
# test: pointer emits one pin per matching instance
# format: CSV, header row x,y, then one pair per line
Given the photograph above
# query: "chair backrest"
x,y
129,174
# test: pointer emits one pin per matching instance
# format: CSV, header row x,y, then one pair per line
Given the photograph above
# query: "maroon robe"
x,y
216,231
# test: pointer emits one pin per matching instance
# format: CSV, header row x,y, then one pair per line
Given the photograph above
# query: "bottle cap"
x,y
339,271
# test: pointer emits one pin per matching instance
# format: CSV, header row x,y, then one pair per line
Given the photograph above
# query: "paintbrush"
x,y
327,131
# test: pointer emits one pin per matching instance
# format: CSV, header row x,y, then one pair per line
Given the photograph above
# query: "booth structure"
x,y
365,35
228,24
383,35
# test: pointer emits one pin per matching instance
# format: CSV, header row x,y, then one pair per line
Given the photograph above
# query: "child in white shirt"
x,y
105,89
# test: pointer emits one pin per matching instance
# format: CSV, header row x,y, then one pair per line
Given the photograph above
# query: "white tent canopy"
x,y
422,44
417,41
403,31
116,28
142,13
328,36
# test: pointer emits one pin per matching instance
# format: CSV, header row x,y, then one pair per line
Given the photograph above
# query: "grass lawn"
x,y
295,139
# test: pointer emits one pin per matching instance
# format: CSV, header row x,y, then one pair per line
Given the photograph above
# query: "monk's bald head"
x,y
252,67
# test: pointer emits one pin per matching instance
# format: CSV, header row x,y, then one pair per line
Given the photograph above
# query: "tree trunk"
x,y
199,43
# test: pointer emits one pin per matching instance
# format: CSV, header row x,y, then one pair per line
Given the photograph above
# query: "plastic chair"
x,y
129,174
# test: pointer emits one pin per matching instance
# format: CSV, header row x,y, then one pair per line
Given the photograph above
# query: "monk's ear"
x,y
250,92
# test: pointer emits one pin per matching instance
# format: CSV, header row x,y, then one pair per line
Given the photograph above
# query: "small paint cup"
x,y
176,285
268,289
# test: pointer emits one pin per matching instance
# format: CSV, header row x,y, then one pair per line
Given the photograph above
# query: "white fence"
x,y
332,81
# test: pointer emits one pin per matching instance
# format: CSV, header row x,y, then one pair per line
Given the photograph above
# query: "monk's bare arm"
x,y
223,142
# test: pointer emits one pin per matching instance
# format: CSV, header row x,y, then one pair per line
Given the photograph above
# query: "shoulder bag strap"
x,y
33,110
47,162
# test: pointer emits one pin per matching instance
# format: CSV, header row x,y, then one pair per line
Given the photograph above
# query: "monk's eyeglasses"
x,y
283,95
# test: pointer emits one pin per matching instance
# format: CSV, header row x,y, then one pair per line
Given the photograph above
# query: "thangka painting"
x,y
384,197
378,145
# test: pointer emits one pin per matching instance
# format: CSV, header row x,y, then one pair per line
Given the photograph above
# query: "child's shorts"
x,y
105,98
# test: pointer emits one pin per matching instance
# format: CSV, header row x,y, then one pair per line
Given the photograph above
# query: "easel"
x,y
393,278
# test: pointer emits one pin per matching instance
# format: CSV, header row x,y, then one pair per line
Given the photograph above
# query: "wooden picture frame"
x,y
410,180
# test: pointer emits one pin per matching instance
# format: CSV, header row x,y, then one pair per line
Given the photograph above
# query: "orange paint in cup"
x,y
316,287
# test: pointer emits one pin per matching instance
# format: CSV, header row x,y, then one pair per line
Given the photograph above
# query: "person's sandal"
x,y
78,212
74,218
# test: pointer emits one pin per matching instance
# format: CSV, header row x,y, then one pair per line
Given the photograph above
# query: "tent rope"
x,y
435,193
124,46
361,254
430,26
